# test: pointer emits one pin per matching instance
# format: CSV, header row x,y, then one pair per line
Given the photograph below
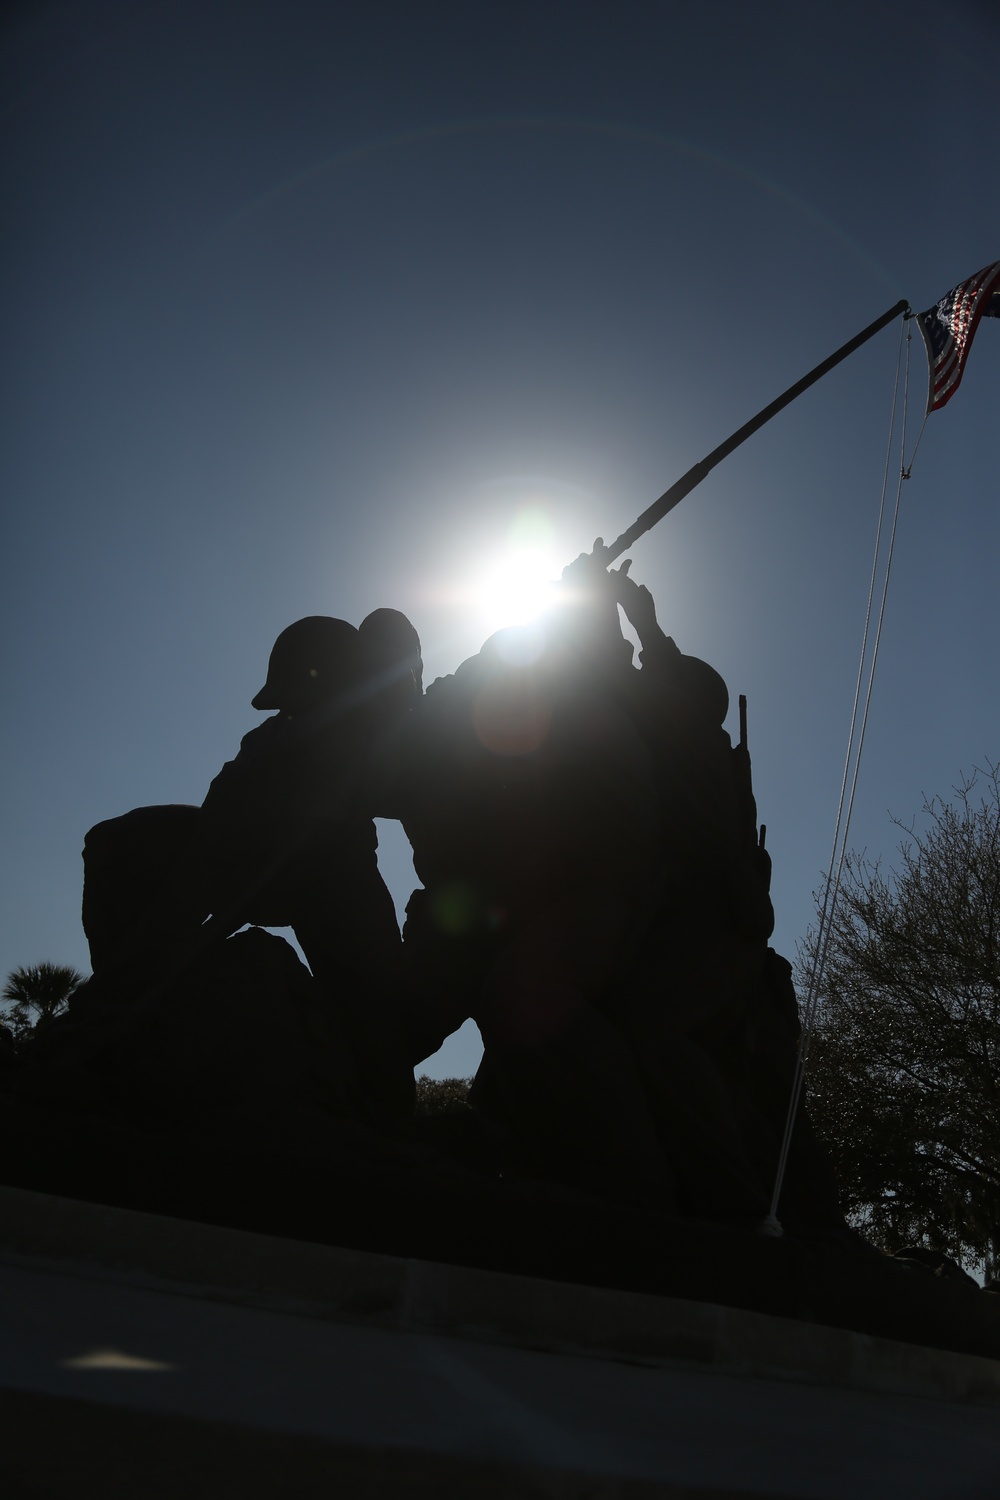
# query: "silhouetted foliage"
x,y
32,996
439,1096
903,1067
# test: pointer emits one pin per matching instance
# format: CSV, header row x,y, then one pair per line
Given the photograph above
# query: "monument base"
x,y
147,1355
336,1183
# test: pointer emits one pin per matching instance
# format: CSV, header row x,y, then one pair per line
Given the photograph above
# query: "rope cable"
x,y
909,467
864,639
811,998
771,1224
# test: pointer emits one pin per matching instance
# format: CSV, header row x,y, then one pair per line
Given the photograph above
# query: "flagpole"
x,y
695,475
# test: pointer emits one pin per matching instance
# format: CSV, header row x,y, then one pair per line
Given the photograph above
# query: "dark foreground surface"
x,y
337,1183
230,1101
144,1355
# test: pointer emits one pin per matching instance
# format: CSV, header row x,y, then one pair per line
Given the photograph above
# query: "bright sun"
x,y
516,587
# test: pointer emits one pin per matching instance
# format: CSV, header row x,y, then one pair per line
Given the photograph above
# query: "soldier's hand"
x,y
636,600
590,570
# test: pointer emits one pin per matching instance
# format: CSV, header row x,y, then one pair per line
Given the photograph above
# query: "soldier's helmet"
x,y
311,660
391,647
705,687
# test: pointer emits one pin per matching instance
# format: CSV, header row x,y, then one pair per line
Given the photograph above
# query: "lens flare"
x,y
516,587
520,645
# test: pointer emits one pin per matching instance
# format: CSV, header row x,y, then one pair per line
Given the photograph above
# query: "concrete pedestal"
x,y
146,1357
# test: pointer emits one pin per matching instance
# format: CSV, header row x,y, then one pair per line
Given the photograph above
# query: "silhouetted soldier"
x,y
288,835
393,678
528,809
698,938
285,837
708,1008
595,897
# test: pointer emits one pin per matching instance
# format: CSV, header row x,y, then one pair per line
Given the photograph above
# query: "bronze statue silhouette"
x,y
594,891
284,838
595,895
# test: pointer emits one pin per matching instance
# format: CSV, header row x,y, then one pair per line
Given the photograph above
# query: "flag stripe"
x,y
948,330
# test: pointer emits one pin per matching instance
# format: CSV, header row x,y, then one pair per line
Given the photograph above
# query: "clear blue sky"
x,y
311,308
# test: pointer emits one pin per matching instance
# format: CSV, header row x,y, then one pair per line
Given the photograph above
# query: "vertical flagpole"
x,y
695,475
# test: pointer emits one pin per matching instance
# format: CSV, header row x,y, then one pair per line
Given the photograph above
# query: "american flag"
x,y
948,329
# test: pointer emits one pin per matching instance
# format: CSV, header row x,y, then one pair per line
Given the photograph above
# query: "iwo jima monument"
x,y
621,1268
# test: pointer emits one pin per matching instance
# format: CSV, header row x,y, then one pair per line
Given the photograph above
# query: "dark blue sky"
x,y
310,308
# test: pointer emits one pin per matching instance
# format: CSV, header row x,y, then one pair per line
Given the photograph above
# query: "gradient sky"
x,y
315,307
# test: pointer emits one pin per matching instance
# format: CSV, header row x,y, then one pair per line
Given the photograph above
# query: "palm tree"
x,y
36,994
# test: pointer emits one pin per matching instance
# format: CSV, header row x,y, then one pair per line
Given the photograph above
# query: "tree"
x,y
441,1096
903,1067
34,995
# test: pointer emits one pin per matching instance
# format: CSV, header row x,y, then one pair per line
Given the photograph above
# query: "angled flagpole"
x,y
695,475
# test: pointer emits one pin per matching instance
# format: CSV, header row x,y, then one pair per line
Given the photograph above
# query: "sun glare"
x,y
517,584
516,587
507,568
